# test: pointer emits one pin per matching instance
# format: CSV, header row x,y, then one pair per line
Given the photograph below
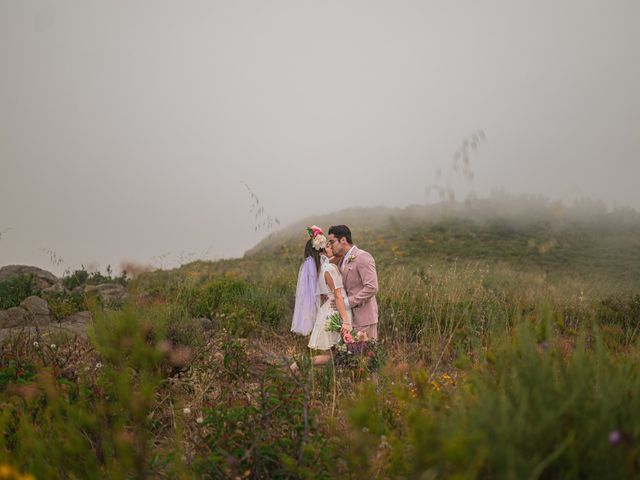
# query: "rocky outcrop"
x,y
75,324
43,279
33,315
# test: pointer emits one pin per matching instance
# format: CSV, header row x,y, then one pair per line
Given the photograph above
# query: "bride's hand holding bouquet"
x,y
335,323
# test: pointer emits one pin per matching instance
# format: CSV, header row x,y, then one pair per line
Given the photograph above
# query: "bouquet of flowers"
x,y
355,352
334,324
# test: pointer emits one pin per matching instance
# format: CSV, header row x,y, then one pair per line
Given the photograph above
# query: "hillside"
x,y
523,232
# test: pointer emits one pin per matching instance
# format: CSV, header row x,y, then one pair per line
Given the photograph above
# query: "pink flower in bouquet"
x,y
348,338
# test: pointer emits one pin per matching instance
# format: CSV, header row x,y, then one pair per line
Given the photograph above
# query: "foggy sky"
x,y
128,127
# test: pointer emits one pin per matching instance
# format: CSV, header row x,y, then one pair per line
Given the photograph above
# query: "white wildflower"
x,y
200,420
186,411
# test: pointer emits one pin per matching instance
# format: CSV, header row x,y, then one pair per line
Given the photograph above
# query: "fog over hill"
x,y
526,233
514,211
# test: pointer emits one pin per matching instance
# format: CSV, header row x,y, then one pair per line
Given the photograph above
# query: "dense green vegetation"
x,y
14,290
82,277
498,359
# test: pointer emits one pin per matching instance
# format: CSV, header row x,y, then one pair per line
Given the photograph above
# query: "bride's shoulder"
x,y
330,267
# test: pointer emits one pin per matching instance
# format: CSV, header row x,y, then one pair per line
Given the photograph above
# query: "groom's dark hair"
x,y
340,231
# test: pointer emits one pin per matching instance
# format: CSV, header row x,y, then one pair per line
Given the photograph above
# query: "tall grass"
x,y
491,372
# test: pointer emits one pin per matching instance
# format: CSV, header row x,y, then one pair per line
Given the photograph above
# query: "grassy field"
x,y
508,349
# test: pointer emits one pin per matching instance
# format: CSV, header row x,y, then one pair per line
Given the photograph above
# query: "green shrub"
x,y
99,426
14,290
82,277
529,412
15,371
63,304
75,279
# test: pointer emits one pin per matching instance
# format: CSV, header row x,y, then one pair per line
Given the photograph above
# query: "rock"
x,y
35,305
110,294
76,323
55,288
43,279
80,318
13,317
32,311
207,324
17,321
38,312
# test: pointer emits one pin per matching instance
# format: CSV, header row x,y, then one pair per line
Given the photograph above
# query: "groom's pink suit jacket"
x,y
361,283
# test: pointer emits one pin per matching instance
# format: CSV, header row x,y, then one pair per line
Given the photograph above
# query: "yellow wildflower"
x,y
447,379
7,472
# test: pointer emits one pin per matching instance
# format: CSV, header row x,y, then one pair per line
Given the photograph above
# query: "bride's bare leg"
x,y
317,361
321,359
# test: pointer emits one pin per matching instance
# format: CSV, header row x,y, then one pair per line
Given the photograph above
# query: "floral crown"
x,y
318,240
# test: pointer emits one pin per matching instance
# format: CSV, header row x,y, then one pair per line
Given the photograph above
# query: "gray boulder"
x,y
13,317
32,311
207,324
78,318
55,288
37,310
110,294
76,323
43,279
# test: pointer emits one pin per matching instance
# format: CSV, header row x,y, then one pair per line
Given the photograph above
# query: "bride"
x,y
319,265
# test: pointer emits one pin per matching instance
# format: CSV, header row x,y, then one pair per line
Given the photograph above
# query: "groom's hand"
x,y
346,328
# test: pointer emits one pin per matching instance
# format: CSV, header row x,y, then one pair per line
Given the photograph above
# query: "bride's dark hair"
x,y
309,251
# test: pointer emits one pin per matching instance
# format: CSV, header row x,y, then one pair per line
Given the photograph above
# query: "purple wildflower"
x,y
615,437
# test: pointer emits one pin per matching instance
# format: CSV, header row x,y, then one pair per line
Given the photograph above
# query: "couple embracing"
x,y
336,276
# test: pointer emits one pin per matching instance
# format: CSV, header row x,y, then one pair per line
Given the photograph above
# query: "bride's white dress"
x,y
321,339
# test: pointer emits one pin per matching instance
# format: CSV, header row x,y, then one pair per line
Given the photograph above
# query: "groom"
x,y
360,280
